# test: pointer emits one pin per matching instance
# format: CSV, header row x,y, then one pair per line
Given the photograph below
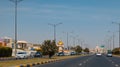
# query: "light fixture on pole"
x,y
16,3
54,25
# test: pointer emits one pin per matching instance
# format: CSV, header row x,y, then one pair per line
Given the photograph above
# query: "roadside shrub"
x,y
5,51
116,51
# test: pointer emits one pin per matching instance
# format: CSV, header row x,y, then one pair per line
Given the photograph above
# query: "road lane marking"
x,y
80,64
84,62
116,65
87,60
112,62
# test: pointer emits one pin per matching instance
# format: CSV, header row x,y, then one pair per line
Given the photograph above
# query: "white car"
x,y
98,54
21,55
109,54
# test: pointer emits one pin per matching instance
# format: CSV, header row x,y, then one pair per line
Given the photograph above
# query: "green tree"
x,y
78,49
49,47
86,50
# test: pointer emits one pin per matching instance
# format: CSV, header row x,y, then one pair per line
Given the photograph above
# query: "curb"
x,y
38,63
116,55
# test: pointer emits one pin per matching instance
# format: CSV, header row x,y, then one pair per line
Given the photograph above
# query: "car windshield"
x,y
109,52
21,53
38,52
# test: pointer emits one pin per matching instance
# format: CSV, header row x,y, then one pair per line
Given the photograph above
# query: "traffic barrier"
x,y
34,64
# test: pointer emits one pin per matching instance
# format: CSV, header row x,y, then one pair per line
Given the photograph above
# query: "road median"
x,y
34,61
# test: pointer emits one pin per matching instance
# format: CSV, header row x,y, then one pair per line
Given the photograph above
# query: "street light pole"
x,y
119,32
119,35
113,40
54,25
113,37
16,3
67,41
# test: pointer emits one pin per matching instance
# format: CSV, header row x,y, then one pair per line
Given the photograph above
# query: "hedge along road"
x,y
34,60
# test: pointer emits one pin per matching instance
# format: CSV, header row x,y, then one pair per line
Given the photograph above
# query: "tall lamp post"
x,y
113,37
54,25
16,3
119,31
67,39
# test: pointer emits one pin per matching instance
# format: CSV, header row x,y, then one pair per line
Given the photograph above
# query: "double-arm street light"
x,y
119,31
54,25
16,3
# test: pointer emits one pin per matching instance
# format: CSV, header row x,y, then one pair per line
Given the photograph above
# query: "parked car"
x,y
31,54
67,53
38,54
60,54
72,53
21,55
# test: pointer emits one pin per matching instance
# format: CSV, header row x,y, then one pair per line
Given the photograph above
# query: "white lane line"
x,y
80,64
84,62
87,60
116,65
112,62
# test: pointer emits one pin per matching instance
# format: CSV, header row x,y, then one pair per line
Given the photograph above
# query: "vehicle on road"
x,y
73,53
60,54
98,54
38,54
21,55
109,55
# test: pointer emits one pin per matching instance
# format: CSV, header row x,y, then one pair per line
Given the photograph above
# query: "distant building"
x,y
100,49
2,43
22,44
9,42
6,41
60,45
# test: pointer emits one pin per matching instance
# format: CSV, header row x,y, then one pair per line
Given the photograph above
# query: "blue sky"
x,y
89,20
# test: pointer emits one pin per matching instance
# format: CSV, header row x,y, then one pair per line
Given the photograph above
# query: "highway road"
x,y
86,61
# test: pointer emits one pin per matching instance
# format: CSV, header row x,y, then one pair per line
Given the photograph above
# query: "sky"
x,y
87,20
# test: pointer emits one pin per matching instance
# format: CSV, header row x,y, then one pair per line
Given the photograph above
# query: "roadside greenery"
x,y
5,51
116,51
86,50
49,47
78,49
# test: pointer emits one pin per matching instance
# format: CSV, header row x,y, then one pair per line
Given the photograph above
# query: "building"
x,y
2,43
60,45
100,49
22,44
8,41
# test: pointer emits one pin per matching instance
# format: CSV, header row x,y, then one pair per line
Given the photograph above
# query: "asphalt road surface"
x,y
86,61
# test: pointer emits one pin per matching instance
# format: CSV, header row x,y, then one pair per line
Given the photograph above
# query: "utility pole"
x,y
16,3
